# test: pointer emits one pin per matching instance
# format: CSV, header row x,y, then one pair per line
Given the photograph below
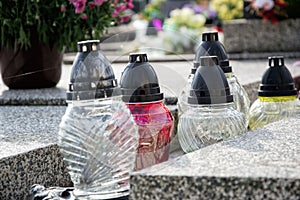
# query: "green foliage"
x,y
293,8
22,19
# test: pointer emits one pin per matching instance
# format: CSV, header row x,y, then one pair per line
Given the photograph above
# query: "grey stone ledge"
x,y
28,150
256,36
38,166
262,164
261,55
23,128
46,96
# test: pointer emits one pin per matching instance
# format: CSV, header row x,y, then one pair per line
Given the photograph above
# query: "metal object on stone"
x,y
39,192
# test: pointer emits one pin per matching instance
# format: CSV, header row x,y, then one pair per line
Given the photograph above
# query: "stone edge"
x,y
184,187
43,166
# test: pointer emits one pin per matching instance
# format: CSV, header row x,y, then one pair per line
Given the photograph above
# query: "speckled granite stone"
x,y
262,164
243,36
40,166
28,150
44,97
48,96
185,187
23,128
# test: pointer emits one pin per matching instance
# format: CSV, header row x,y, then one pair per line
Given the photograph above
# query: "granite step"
x,y
262,164
28,149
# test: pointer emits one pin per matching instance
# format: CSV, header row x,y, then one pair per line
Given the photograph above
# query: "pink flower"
x,y
63,8
99,2
130,4
124,19
84,16
118,10
79,5
121,7
92,5
157,24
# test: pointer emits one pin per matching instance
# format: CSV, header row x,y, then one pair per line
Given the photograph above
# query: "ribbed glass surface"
x,y
98,141
264,112
203,125
182,103
240,96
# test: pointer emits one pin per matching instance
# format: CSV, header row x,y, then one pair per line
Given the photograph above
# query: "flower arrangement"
x,y
152,10
205,10
185,17
182,30
228,9
270,9
58,22
152,14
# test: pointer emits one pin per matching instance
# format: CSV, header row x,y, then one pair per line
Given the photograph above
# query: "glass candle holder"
x,y
141,93
98,138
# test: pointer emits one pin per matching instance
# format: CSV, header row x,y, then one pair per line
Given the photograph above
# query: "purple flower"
x,y
196,8
84,16
129,4
211,13
79,5
157,24
92,5
63,8
118,10
124,19
99,2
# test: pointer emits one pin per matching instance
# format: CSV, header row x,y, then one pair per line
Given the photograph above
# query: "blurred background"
x,y
175,26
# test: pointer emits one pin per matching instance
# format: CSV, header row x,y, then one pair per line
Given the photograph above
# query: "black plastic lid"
x,y
88,45
92,76
225,66
211,46
139,82
209,85
210,36
277,79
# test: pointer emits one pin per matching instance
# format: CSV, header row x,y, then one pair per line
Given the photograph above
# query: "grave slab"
x,y
262,164
28,150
